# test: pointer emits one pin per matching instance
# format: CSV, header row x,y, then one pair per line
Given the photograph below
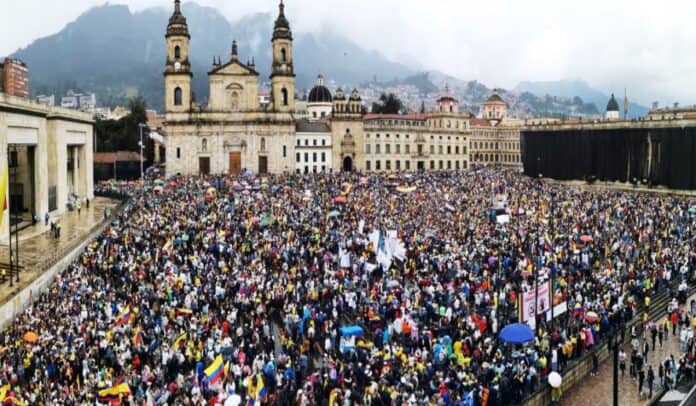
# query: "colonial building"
x,y
495,138
45,159
237,130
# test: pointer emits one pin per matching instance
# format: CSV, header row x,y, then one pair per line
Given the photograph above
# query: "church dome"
x,y
319,93
612,105
177,22
339,94
495,97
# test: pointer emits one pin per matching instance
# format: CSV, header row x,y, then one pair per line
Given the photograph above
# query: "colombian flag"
x,y
261,393
3,193
179,341
137,337
123,317
215,371
548,244
183,312
114,394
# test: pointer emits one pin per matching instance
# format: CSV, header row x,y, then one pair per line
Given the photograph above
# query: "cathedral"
x,y
238,131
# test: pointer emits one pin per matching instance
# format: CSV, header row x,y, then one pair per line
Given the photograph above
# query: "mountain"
x,y
571,88
118,54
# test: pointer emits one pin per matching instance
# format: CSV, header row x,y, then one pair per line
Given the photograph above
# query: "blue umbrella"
x,y
516,333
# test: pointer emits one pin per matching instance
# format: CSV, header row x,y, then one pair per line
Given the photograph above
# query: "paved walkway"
x,y
38,246
598,390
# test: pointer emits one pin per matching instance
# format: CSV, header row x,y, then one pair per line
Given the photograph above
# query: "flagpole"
x,y
535,267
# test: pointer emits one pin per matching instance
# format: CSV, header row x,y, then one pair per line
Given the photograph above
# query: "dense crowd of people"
x,y
218,290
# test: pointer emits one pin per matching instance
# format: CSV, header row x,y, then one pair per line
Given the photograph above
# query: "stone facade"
x,y
495,143
235,132
50,150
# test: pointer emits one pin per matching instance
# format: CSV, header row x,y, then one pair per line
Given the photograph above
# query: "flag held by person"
x,y
215,371
123,317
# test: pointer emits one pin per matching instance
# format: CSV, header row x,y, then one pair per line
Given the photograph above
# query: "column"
x,y
77,167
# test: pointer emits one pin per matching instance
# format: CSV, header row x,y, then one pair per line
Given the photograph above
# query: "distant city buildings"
x,y
14,78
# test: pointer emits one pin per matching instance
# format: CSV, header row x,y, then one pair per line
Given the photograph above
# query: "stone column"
x,y
77,168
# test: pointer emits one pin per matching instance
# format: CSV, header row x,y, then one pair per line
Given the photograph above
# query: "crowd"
x,y
219,291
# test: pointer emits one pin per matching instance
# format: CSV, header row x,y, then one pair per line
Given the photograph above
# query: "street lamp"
x,y
142,174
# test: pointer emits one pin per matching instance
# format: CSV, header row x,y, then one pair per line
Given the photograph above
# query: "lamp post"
x,y
142,174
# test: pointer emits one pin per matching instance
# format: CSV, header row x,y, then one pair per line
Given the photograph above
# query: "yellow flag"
x,y
3,194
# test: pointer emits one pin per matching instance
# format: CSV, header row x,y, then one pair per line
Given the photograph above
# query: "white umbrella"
x,y
555,379
233,400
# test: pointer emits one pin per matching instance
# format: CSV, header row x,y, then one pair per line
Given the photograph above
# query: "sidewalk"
x,y
37,244
598,390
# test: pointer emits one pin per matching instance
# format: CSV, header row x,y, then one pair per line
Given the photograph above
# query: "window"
x,y
323,142
178,153
408,165
306,142
306,169
178,97
283,55
449,150
323,157
298,142
263,144
306,157
177,52
314,142
387,149
377,165
449,164
297,157
367,166
397,136
432,149
388,165
420,149
377,149
441,167
398,165
398,148
456,165
432,164
204,145
234,101
323,168
407,149
323,114
439,150
314,114
456,149
285,151
284,96
367,148
314,157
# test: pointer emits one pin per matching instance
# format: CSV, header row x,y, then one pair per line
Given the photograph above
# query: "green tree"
x,y
388,104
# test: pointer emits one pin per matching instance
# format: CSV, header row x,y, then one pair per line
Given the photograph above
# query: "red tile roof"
x,y
111,157
479,122
414,116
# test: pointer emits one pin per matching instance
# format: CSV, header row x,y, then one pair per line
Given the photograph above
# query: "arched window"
x,y
263,144
178,97
284,95
204,145
283,55
177,52
451,108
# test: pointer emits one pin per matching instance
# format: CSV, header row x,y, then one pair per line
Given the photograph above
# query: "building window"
x,y
398,165
178,153
408,165
314,114
449,165
388,165
263,144
387,149
298,142
314,157
367,166
441,166
306,142
178,97
449,150
323,114
297,157
284,96
204,145
283,55
439,149
377,149
314,142
285,151
398,148
456,149
456,165
367,148
323,168
377,165
432,164
432,149
407,149
306,156
323,142
177,52
323,157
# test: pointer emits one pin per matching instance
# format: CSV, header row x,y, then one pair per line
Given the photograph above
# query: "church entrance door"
x,y
263,165
235,167
347,164
204,165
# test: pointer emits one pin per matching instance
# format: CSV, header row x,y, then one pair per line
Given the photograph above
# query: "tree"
x,y
388,104
123,134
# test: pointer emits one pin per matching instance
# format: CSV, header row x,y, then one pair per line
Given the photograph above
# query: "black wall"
x,y
613,155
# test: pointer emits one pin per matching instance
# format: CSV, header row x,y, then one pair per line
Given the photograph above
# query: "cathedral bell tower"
x,y
282,71
177,72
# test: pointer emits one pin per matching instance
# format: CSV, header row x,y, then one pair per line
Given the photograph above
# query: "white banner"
x,y
543,303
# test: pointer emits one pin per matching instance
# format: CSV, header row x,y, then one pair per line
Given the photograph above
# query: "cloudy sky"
x,y
612,44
